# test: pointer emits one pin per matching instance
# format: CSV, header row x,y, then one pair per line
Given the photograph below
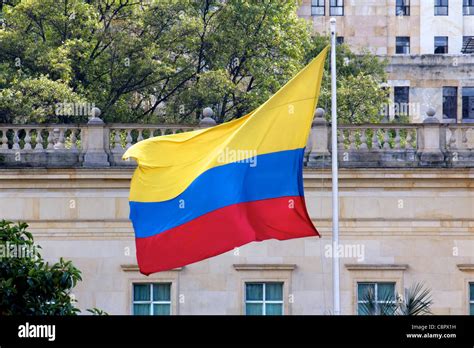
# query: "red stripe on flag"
x,y
224,229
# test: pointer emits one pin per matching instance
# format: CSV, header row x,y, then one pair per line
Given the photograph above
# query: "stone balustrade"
x,y
97,144
46,145
122,136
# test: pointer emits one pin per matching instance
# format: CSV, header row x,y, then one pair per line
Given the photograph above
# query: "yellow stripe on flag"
x,y
168,164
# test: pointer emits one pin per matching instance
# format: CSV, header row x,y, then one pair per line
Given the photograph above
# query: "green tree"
x,y
35,100
360,77
28,284
163,61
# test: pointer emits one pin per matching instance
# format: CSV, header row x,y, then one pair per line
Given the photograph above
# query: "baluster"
x,y
79,138
50,139
60,140
4,139
16,140
363,140
375,141
117,140
27,145
452,139
408,145
386,140
397,139
39,140
340,140
128,139
464,137
73,139
140,135
352,142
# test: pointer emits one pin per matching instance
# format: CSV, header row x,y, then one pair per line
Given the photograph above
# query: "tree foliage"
x,y
28,284
360,77
163,61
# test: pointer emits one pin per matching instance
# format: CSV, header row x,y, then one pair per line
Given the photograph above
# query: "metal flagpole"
x,y
335,193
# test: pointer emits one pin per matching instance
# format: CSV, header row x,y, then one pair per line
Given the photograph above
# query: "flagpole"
x,y
335,181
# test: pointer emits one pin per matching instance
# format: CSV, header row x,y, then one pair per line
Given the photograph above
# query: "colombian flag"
x,y
199,194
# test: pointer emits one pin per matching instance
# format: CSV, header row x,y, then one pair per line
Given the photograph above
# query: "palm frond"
x,y
385,305
417,301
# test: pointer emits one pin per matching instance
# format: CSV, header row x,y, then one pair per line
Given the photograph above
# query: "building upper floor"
x,y
392,27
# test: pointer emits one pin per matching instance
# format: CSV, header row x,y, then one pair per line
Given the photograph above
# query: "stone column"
x,y
319,154
95,142
429,139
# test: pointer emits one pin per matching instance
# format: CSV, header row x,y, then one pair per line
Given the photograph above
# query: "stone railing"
x,y
96,144
48,145
122,136
430,143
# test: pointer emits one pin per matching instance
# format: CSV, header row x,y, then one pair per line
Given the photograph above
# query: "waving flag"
x,y
198,194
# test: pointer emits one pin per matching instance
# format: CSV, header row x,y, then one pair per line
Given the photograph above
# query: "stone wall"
x,y
426,75
412,225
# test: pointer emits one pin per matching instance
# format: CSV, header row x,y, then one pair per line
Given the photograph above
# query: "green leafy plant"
x,y
28,284
385,305
415,301
164,61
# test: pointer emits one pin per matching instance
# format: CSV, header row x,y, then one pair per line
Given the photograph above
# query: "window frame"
x,y
397,46
440,7
376,284
447,44
395,102
263,302
151,303
405,8
466,101
468,8
455,104
465,38
318,6
470,297
333,8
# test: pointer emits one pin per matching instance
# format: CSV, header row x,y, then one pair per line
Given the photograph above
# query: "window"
x,y
152,299
440,44
471,298
264,298
402,8
468,7
318,8
339,40
402,45
468,103
466,39
467,44
375,298
336,8
450,102
402,100
441,7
